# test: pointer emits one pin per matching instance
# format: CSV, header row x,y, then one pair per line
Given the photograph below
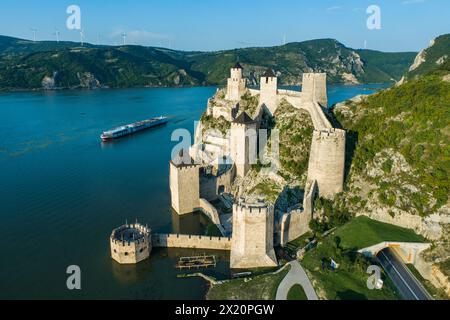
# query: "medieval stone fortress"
x,y
209,171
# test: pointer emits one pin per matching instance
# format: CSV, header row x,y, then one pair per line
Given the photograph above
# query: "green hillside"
x,y
401,139
380,66
433,57
24,64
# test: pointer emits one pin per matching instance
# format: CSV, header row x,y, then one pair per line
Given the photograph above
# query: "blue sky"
x,y
406,25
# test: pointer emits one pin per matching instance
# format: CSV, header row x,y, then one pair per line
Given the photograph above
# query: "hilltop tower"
x,y
236,85
130,244
314,88
327,161
252,239
243,143
184,183
268,90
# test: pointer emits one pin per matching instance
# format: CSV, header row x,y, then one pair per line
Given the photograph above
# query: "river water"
x,y
62,191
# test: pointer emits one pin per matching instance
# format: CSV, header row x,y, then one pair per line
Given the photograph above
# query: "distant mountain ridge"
x,y
431,58
26,65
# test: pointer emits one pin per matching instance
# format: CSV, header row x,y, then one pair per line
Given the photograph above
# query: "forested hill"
x,y
431,58
401,138
26,64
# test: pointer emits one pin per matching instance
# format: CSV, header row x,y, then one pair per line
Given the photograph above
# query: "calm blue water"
x,y
62,191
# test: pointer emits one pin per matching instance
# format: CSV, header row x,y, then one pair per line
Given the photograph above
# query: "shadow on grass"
x,y
351,295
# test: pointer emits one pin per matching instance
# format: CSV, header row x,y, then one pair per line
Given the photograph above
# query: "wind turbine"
x,y
56,33
81,36
34,34
124,36
284,39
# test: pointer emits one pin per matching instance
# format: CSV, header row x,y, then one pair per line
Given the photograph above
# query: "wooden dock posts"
x,y
198,262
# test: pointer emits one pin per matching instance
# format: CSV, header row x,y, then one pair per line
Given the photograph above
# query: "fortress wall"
x,y
235,85
243,146
314,86
252,241
268,93
293,225
221,141
326,161
184,188
310,194
191,242
318,117
209,210
208,188
321,117
292,93
253,92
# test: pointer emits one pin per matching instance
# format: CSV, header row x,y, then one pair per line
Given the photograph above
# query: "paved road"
x,y
296,275
409,287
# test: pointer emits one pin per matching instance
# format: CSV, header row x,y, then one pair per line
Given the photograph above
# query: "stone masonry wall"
x,y
268,93
243,144
252,241
184,188
190,242
326,161
130,252
314,86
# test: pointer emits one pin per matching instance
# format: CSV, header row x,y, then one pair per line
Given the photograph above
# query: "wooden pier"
x,y
197,262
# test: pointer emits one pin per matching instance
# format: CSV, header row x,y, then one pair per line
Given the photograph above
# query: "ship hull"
x,y
133,128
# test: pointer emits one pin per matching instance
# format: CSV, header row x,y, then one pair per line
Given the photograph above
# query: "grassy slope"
x,y
349,280
296,292
262,287
363,232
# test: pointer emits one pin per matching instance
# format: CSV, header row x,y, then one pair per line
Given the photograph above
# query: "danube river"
x,y
62,191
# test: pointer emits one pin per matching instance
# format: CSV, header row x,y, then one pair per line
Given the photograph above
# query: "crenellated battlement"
x,y
186,167
130,243
251,208
191,236
329,133
252,241
314,87
236,84
164,240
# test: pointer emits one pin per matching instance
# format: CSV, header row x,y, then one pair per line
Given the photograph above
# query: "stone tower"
x,y
130,243
252,238
236,84
314,87
268,90
327,161
184,183
243,143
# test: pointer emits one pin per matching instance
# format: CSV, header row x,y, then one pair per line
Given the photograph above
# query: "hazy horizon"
x,y
212,51
405,25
